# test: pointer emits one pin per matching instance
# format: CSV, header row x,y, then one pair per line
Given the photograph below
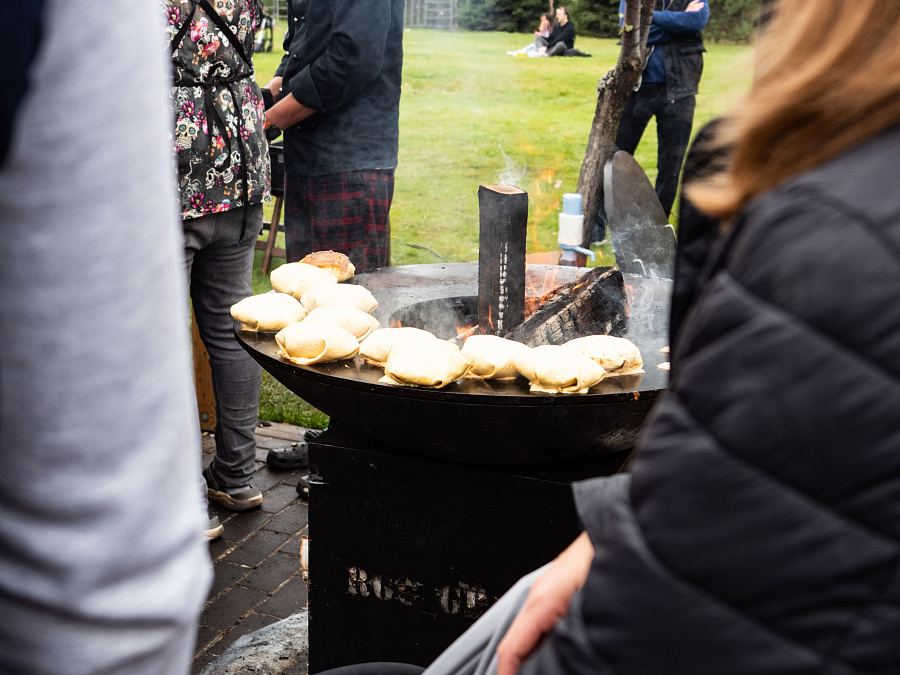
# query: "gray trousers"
x,y
219,267
475,651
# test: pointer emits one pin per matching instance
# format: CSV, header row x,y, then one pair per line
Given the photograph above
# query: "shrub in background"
x,y
732,20
597,18
513,16
477,15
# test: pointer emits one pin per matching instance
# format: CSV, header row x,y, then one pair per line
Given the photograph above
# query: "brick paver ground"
x,y
257,558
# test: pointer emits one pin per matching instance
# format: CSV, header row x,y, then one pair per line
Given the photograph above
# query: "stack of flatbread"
x,y
558,370
268,312
617,356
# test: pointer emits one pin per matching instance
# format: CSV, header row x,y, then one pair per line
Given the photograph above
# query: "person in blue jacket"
x,y
668,89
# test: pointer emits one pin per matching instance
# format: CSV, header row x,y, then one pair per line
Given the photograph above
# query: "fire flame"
x,y
536,294
462,332
629,298
396,323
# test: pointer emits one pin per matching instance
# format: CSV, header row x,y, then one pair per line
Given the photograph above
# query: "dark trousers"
x,y
559,49
674,120
344,212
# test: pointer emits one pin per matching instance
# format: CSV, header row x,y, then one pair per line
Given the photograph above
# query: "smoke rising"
x,y
512,174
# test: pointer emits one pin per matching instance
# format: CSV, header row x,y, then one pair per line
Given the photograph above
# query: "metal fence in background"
x,y
437,14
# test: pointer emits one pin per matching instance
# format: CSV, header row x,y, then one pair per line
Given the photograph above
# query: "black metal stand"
x,y
405,552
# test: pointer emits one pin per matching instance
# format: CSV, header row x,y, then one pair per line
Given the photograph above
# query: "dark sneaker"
x,y
214,529
245,498
303,487
294,457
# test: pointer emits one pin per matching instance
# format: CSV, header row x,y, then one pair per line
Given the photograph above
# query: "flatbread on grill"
x,y
617,356
352,320
492,357
345,295
336,264
424,363
297,278
307,343
268,312
557,370
376,348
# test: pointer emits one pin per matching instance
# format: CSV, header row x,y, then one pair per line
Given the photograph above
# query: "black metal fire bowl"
x,y
477,421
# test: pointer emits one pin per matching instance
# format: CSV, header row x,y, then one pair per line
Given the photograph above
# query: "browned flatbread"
x,y
332,262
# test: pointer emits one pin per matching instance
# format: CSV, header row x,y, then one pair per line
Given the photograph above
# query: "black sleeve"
x,y
354,58
565,34
21,45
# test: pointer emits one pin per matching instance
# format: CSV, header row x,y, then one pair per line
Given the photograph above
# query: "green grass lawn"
x,y
471,115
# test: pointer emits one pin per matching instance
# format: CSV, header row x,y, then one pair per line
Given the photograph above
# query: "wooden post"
x,y
206,402
503,217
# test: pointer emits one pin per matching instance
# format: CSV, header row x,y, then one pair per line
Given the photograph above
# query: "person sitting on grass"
x,y
562,37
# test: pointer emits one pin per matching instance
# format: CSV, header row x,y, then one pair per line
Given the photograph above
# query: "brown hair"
x,y
827,78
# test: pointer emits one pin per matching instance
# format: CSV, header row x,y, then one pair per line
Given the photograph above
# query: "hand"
x,y
287,112
274,85
547,602
695,6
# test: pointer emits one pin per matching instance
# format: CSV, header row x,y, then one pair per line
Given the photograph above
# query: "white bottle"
x,y
571,229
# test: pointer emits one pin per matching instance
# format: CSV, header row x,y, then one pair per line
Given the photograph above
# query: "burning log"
x,y
592,304
503,220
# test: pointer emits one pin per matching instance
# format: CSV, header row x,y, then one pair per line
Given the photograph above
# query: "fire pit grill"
x,y
475,421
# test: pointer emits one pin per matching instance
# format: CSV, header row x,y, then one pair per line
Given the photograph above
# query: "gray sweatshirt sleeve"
x,y
102,563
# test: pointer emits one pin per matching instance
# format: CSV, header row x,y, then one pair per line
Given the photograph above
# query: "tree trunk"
x,y
613,91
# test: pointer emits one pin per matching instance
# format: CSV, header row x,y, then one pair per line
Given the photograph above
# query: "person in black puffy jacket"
x,y
759,532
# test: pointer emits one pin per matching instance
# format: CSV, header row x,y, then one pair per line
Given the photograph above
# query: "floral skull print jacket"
x,y
220,147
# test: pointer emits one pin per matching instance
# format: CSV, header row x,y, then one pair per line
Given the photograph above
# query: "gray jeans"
x,y
219,266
